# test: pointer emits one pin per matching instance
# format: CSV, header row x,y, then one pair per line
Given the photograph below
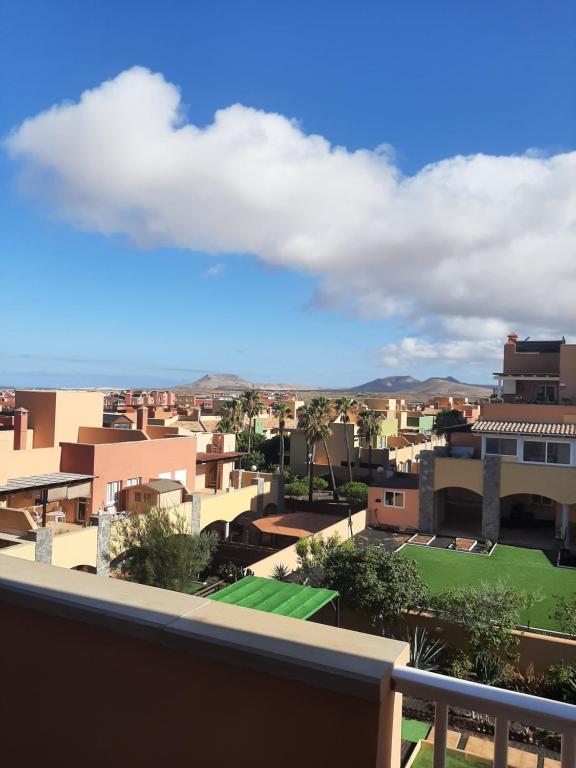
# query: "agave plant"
x,y
489,669
426,651
280,572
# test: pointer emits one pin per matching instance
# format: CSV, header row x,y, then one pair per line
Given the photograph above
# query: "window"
x,y
165,476
546,453
558,453
501,446
393,499
137,496
545,393
133,481
81,510
112,493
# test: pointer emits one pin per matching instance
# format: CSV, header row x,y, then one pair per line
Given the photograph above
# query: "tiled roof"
x,y
554,429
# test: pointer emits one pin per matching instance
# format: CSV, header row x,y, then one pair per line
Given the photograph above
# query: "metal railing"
x,y
505,706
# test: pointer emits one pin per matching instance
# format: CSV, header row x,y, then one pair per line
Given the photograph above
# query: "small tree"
x,y
565,613
449,421
379,584
355,493
312,552
158,549
488,615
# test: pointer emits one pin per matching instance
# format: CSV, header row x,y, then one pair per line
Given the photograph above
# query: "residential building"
x,y
394,504
513,478
537,372
57,459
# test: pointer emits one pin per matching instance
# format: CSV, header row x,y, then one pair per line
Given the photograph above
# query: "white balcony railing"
x,y
505,706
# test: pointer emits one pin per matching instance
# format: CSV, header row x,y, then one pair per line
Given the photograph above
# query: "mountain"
x,y
215,382
408,385
388,384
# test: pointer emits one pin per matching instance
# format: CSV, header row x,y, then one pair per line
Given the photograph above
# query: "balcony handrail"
x,y
504,705
520,707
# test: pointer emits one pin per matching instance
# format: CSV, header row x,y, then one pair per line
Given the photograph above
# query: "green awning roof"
x,y
272,596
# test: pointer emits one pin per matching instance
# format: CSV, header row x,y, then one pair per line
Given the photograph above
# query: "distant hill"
x,y
215,382
408,385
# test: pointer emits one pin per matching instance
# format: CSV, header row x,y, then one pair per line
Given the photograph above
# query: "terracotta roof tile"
x,y
541,429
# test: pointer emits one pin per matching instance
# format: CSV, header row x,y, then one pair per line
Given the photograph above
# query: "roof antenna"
x,y
527,338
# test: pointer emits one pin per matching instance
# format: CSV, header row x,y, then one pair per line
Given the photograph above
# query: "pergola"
x,y
53,487
280,597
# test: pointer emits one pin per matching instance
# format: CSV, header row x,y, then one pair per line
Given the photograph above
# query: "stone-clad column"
x,y
259,482
43,551
103,545
279,485
195,513
427,521
491,498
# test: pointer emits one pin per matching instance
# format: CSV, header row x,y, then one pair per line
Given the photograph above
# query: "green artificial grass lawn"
x,y
424,759
528,569
414,730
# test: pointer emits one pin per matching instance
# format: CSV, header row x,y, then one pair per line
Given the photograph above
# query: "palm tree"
x,y
282,412
305,416
346,406
369,423
232,417
322,416
251,405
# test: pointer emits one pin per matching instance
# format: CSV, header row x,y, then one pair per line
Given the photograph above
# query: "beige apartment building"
x,y
513,478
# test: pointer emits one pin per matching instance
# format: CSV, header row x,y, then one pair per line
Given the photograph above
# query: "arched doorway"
x,y
530,520
84,568
270,509
458,512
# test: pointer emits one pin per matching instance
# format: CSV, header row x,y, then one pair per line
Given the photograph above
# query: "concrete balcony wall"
x,y
120,674
68,549
458,473
557,483
539,412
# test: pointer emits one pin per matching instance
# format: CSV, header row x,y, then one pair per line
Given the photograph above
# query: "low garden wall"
x,y
288,556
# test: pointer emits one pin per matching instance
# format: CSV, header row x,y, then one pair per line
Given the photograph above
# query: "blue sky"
x,y
432,80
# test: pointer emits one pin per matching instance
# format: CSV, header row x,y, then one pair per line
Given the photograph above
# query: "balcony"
x,y
100,671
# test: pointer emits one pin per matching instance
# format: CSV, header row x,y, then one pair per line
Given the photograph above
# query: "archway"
x,y
220,527
529,520
84,568
270,509
458,512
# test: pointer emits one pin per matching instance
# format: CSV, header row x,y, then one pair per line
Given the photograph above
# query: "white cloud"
x,y
215,270
412,353
482,237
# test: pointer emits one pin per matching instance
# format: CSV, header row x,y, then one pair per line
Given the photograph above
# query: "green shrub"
x,y
560,683
354,493
319,484
296,488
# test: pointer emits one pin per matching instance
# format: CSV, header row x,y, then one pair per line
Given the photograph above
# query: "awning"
x,y
273,596
300,524
54,483
204,458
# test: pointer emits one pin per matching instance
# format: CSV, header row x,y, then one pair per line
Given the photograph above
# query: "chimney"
x,y
512,338
20,429
142,418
